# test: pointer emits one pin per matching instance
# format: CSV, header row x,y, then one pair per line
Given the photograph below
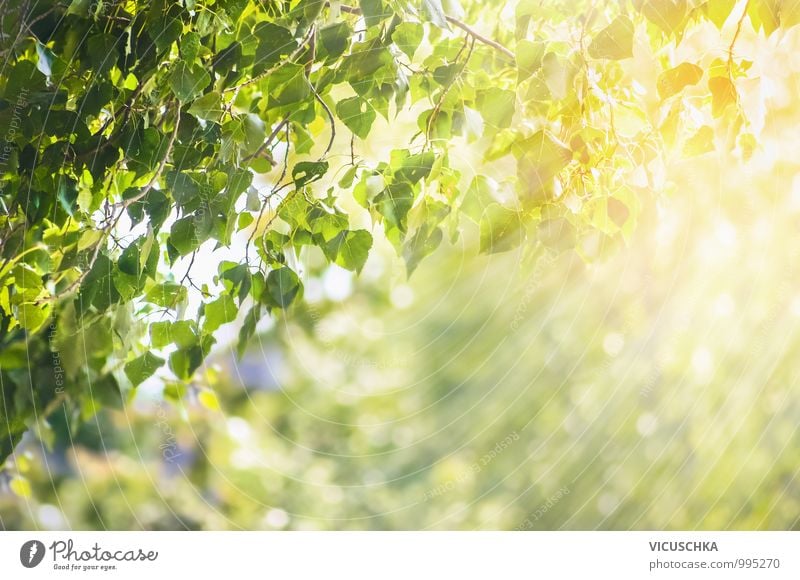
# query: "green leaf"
x,y
248,329
501,229
434,12
482,192
289,85
190,46
254,132
282,287
394,204
160,334
614,42
208,107
374,11
106,391
539,159
209,400
142,368
674,80
308,171
26,277
168,294
32,317
335,38
79,8
420,245
187,81
408,36
102,49
181,332
219,312
183,362
557,233
274,44
21,487
129,261
183,236
497,107
415,167
357,114
529,58
350,249
98,288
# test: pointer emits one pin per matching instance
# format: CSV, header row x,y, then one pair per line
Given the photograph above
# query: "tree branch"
x,y
735,38
480,38
125,205
458,24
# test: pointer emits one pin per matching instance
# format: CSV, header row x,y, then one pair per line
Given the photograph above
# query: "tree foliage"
x,y
138,132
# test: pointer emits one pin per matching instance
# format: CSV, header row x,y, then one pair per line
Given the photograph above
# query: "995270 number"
x,y
758,563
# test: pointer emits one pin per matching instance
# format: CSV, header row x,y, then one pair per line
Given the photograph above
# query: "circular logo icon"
x,y
31,553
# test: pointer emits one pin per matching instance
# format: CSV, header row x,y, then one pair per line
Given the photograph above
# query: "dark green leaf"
x,y
282,287
188,81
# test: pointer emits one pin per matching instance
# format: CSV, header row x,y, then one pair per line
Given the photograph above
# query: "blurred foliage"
x,y
594,375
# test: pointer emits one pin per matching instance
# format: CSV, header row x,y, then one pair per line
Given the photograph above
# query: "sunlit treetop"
x,y
139,134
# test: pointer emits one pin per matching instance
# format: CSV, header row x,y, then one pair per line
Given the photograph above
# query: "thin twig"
x,y
735,38
269,140
458,24
445,90
330,116
266,199
189,269
479,37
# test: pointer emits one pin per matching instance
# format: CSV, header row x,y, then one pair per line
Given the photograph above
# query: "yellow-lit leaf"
x,y
208,399
614,42
723,94
719,10
699,143
666,14
20,486
674,80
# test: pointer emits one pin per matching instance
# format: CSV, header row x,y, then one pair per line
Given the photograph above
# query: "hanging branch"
x,y
735,38
112,224
458,24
